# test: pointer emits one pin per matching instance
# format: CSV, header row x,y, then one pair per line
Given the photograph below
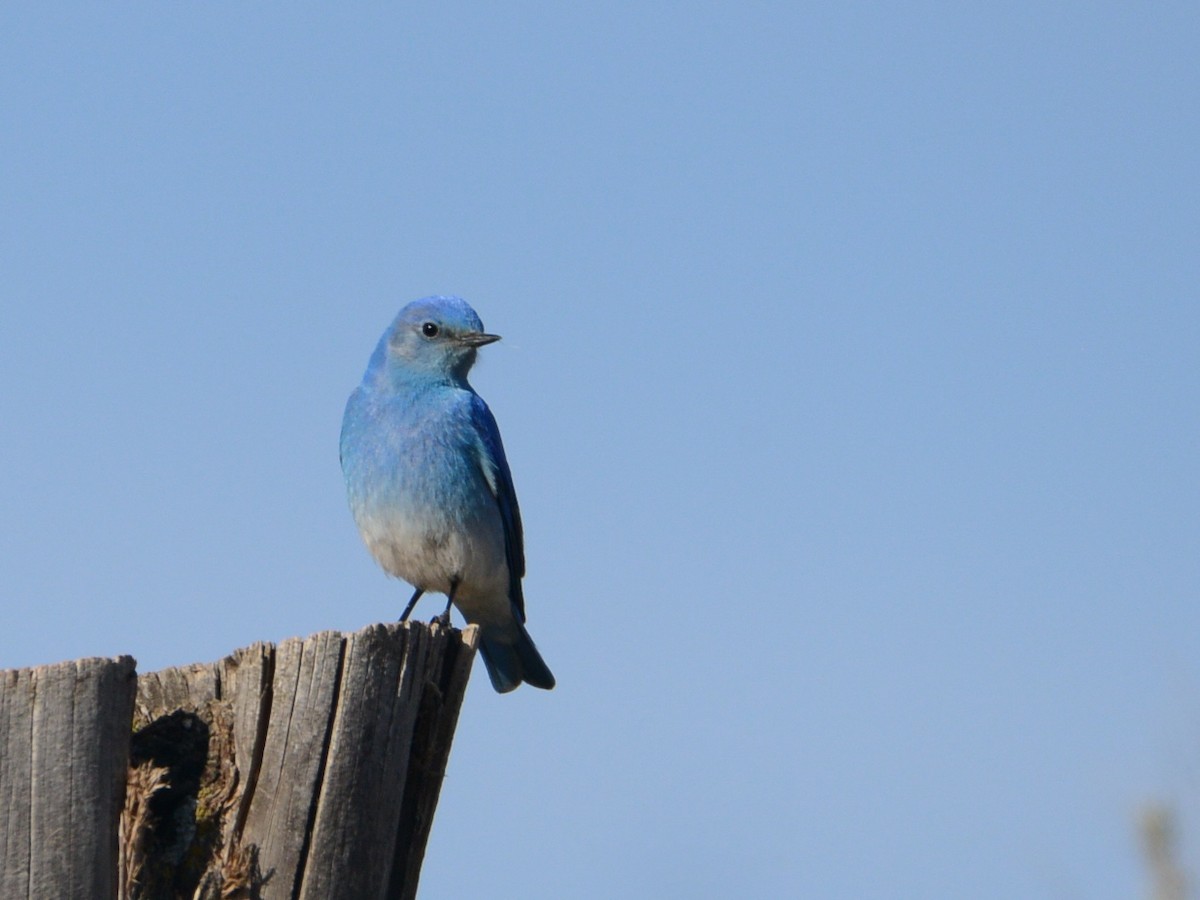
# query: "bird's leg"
x,y
444,618
411,603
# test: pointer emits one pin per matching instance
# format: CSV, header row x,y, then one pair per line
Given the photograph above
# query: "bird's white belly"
x,y
430,556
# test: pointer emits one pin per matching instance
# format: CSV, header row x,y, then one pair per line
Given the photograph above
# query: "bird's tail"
x,y
513,658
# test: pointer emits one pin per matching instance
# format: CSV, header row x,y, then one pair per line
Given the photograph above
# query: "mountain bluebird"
x,y
430,487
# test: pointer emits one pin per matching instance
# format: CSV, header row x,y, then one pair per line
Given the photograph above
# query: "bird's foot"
x,y
444,618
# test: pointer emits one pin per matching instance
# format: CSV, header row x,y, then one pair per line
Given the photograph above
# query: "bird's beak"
x,y
477,339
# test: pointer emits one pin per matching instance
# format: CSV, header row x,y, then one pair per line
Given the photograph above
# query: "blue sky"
x,y
849,381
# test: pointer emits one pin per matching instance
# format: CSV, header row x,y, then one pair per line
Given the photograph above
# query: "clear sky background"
x,y
850,383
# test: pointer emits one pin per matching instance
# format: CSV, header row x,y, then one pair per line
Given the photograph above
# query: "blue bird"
x,y
430,487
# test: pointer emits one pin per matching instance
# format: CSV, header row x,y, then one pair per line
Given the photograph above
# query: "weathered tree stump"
x,y
310,769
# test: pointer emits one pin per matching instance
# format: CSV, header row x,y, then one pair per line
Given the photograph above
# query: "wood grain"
x,y
64,750
310,772
310,769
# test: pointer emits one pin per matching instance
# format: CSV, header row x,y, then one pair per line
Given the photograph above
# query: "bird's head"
x,y
436,337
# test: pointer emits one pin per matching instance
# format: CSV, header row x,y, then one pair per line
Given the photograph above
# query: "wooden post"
x,y
64,749
307,770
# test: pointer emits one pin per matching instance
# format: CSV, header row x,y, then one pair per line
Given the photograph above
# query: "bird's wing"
x,y
499,478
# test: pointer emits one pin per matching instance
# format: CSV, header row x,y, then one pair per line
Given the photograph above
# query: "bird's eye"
x,y
429,329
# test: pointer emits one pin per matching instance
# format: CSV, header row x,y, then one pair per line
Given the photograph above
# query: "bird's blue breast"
x,y
412,454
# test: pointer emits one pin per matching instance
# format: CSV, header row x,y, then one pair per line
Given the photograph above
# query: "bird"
x,y
429,484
